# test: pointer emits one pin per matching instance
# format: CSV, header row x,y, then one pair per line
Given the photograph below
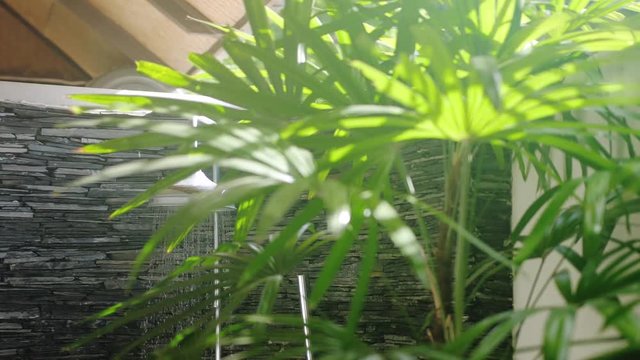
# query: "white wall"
x,y
588,323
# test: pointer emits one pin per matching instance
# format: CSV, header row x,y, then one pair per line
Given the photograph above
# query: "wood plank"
x,y
110,28
222,12
149,26
228,13
72,34
25,55
180,12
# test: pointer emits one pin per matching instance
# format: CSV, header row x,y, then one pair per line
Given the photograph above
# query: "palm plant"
x,y
322,99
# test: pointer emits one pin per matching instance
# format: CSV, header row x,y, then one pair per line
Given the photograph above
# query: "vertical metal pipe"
x,y
216,244
216,304
305,315
216,240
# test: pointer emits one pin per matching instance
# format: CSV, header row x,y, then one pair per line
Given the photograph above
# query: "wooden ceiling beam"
x,y
110,30
33,57
71,34
102,35
221,12
227,13
150,26
180,11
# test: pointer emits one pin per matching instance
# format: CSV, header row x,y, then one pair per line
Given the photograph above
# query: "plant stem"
x,y
442,251
268,298
439,310
463,162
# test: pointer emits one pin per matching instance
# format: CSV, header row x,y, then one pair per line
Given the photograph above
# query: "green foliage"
x,y
319,102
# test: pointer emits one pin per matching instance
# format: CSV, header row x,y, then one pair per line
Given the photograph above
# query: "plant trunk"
x,y
448,320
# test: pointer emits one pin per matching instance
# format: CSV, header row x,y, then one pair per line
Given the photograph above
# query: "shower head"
x,y
178,193
196,182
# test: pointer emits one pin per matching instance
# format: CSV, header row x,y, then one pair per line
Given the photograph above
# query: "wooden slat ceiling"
x,y
78,41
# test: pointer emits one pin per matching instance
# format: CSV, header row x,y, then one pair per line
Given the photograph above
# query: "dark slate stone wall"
x,y
61,259
397,307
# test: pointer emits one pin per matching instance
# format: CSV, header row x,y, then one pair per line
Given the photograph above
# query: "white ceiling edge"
x,y
58,95
45,94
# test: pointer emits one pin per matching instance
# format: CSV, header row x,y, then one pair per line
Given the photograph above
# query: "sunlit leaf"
x,y
557,334
368,262
533,244
277,205
146,166
246,214
403,238
596,192
331,265
158,187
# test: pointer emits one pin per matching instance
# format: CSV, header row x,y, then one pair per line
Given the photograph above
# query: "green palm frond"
x,y
312,112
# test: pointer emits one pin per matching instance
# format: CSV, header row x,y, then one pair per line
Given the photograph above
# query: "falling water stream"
x,y
201,241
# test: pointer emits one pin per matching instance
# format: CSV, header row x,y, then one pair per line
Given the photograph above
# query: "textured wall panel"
x,y
61,259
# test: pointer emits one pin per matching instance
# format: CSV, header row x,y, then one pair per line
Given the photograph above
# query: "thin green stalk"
x,y
531,303
268,298
269,295
442,253
424,234
535,282
462,248
547,283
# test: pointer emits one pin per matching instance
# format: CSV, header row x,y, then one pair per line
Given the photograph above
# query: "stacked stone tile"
x,y
61,259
